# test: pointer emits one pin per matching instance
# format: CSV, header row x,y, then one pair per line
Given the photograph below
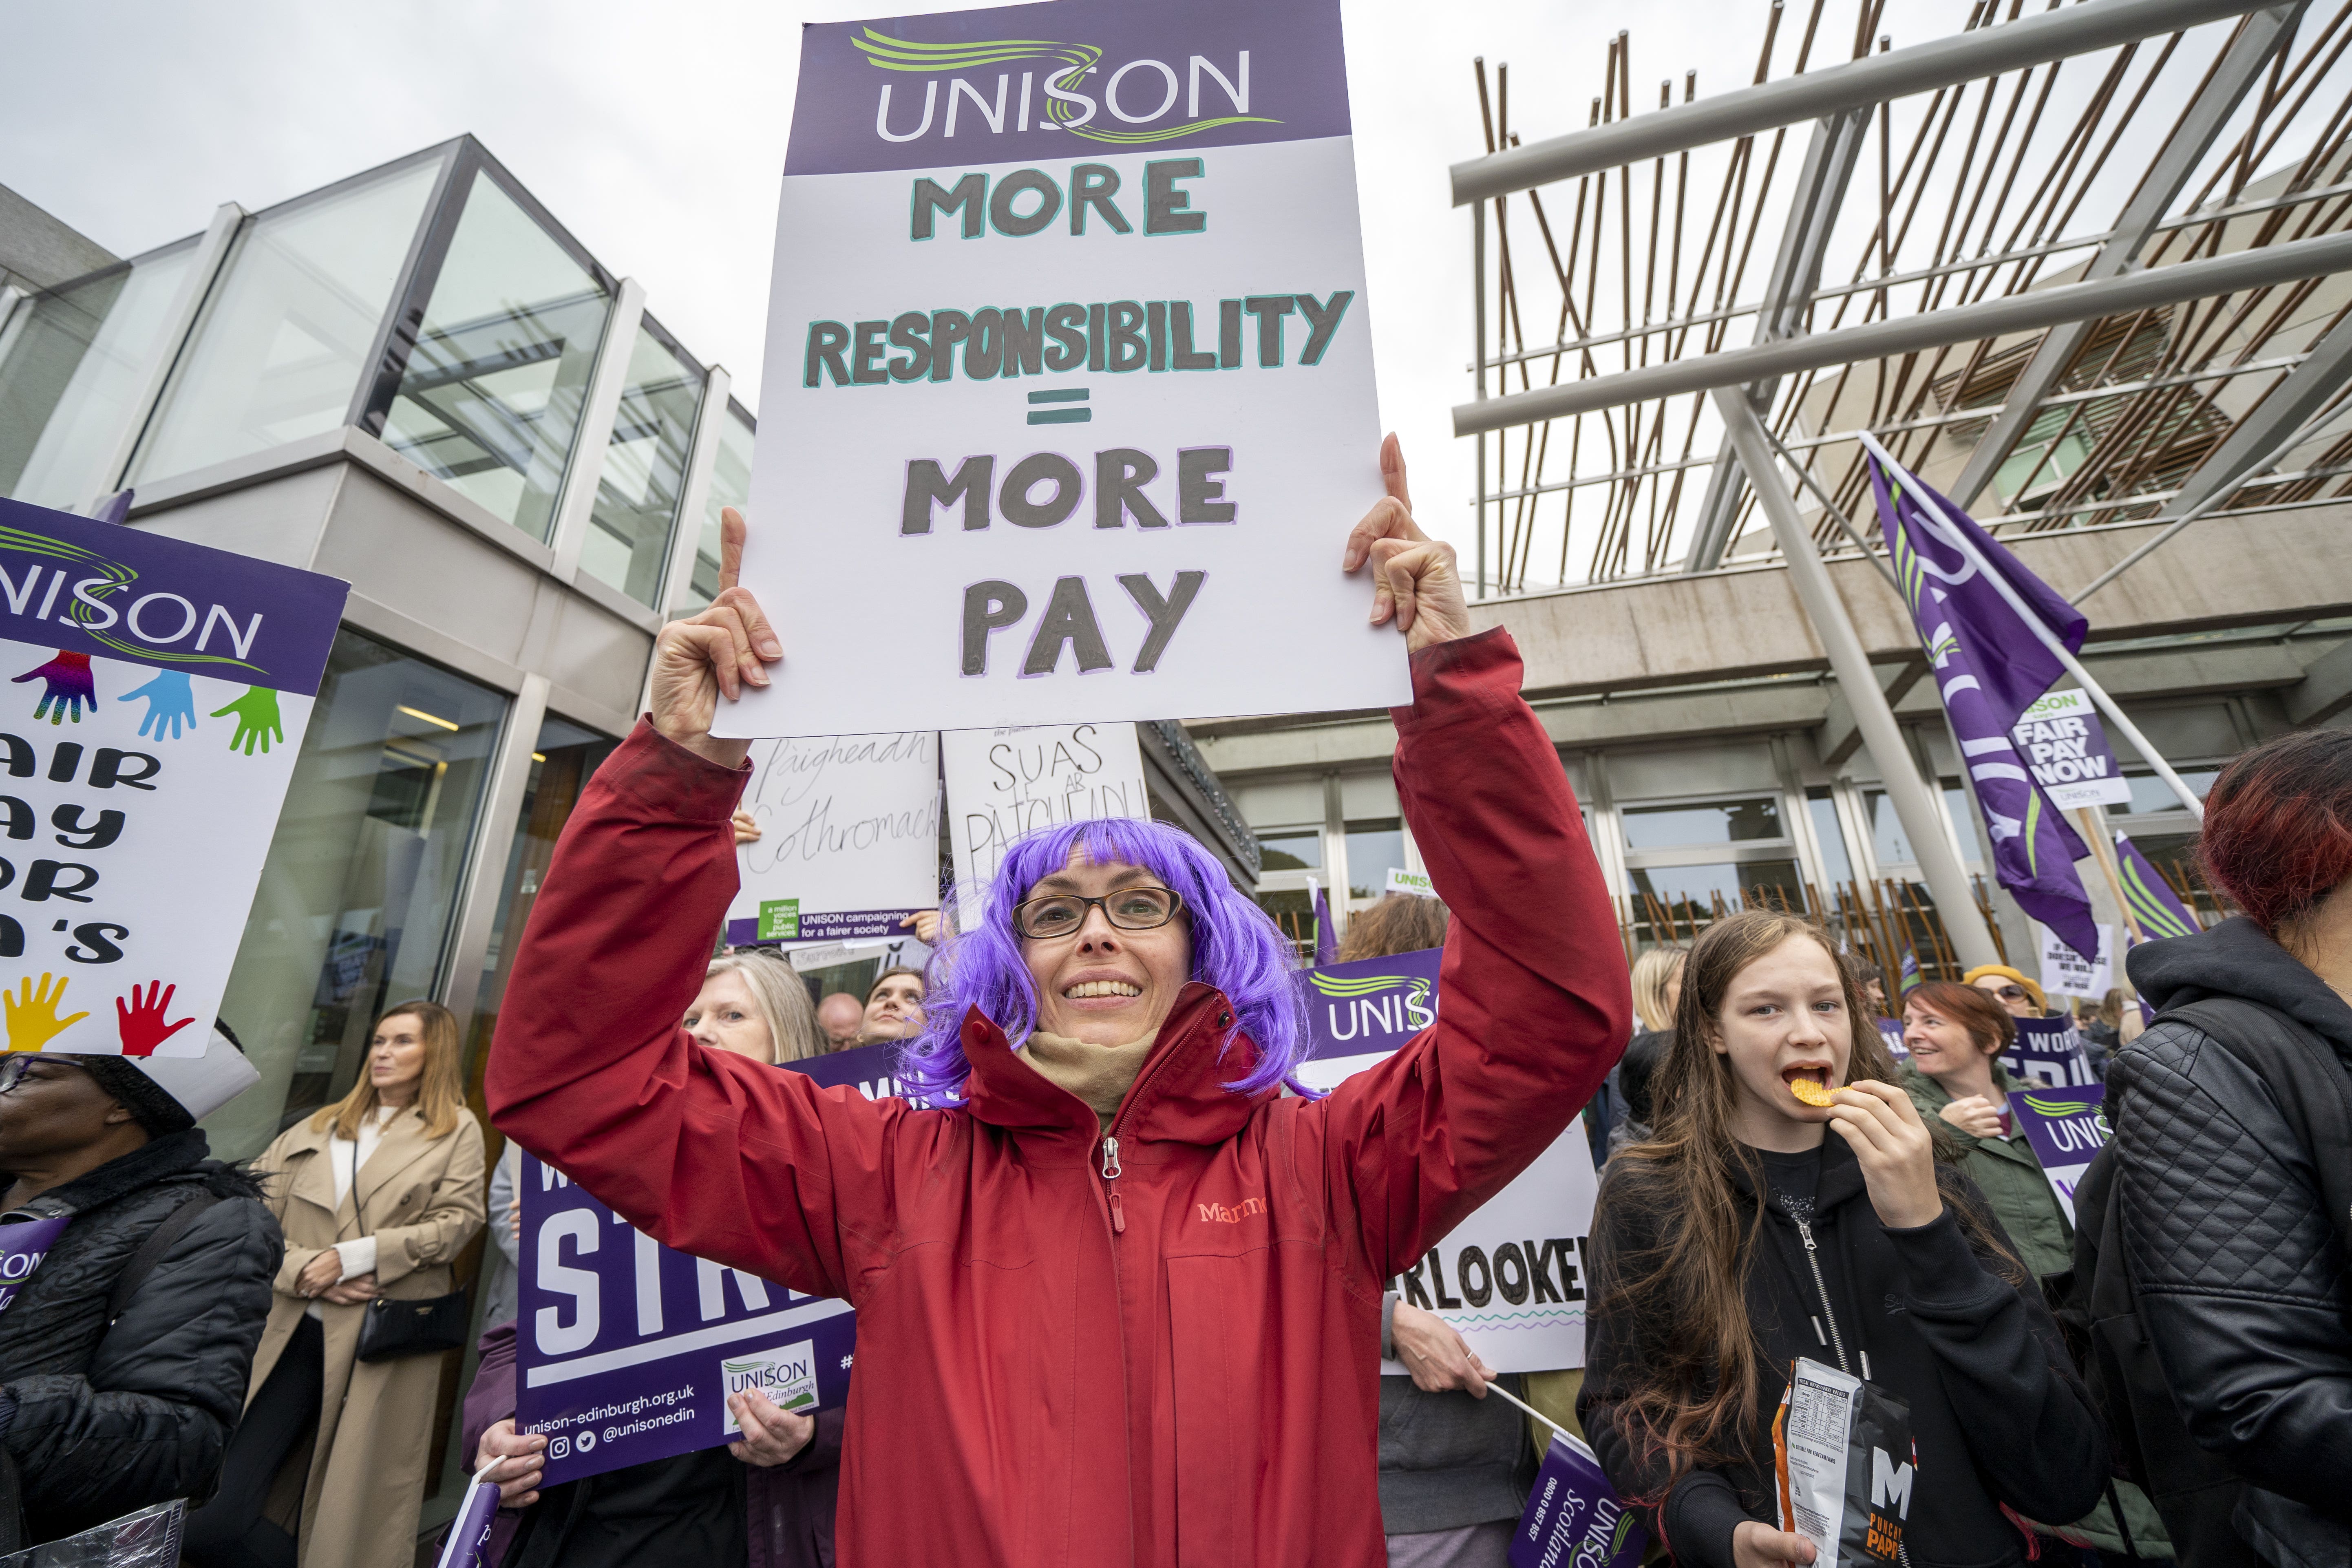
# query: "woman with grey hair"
x,y
755,1003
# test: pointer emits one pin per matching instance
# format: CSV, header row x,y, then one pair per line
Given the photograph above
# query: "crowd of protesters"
x,y
1057,1362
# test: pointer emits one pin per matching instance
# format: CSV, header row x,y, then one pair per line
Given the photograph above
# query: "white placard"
x,y
1527,1241
2065,746
2066,973
153,696
1068,405
849,839
1003,783
1413,882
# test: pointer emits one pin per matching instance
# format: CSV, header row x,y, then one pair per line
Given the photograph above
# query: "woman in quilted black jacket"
x,y
2234,1137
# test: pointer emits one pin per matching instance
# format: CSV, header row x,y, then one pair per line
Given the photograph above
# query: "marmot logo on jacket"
x,y
1225,1215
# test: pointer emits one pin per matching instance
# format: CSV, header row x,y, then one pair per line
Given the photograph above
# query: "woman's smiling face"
x,y
1098,983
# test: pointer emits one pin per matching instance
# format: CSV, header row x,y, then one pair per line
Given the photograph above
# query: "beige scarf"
x,y
1099,1075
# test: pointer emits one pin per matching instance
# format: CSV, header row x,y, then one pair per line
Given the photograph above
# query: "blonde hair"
x,y
1652,972
782,999
440,1093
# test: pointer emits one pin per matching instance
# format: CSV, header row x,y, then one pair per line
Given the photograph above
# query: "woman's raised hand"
x,y
1892,1146
1975,1115
1415,583
714,655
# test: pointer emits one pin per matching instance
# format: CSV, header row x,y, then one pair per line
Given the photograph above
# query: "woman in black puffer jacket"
x,y
122,1367
2232,1116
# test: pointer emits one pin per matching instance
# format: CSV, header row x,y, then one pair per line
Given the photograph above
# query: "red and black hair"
x,y
2278,826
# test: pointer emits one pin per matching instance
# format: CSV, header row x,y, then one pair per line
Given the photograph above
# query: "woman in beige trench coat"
x,y
377,1195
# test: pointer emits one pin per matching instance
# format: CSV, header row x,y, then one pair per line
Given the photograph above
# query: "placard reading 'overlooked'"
x,y
1511,1277
1069,377
153,695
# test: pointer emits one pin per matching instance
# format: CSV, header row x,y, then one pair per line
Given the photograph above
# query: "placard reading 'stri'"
x,y
1068,405
152,699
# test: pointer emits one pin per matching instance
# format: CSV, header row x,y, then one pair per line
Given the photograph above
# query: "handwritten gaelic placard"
x,y
153,695
1003,783
849,838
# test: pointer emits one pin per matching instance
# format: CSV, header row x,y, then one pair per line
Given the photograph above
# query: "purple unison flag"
x,y
1988,665
1911,979
1327,941
2152,901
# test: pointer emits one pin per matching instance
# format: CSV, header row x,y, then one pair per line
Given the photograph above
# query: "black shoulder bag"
x,y
392,1328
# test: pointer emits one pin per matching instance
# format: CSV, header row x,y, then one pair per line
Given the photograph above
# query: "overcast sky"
x,y
656,133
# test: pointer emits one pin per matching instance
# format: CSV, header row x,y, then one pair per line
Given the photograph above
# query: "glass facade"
x,y
291,322
1712,821
560,763
1374,850
637,495
731,485
497,381
1291,851
357,899
72,361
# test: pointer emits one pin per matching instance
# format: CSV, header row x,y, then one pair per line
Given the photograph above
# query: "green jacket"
x,y
2008,1175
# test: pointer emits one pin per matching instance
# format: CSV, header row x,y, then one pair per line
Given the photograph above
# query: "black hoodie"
x,y
1996,1410
2233,1150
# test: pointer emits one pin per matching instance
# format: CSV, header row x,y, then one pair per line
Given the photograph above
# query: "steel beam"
x,y
2136,291
1788,298
1914,803
2266,31
2278,425
1858,84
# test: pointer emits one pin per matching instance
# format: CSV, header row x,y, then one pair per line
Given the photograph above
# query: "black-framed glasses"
x,y
1129,908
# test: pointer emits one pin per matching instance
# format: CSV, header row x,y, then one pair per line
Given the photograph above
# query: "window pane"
x,y
1374,848
1297,851
1963,812
1836,864
74,359
1672,903
645,470
1888,842
492,396
2152,794
290,326
362,879
1711,822
731,485
560,763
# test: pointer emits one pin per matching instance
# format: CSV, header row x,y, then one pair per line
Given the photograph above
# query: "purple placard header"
x,y
1371,1004
1067,81
842,925
105,589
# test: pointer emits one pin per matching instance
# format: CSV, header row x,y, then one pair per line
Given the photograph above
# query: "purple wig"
x,y
1235,948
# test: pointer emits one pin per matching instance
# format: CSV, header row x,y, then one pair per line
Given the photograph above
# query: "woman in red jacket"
x,y
1119,1300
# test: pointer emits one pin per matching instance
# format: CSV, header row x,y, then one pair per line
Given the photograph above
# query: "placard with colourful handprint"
x,y
154,700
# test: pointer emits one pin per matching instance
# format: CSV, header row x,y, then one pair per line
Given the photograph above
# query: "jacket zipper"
x,y
1813,1261
1112,1170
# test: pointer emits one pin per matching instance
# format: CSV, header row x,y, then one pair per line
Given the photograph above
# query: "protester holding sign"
x,y
2232,1121
134,1274
1743,1237
1120,1292
378,1194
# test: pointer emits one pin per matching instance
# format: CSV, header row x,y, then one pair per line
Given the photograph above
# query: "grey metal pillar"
x,y
1914,803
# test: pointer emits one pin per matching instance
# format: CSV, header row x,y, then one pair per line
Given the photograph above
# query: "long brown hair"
x,y
440,1094
1395,923
1690,1397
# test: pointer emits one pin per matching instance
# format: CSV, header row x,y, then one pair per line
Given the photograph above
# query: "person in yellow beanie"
x,y
2022,997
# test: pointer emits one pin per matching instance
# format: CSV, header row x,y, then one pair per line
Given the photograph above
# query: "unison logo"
x,y
1140,93
786,1375
99,595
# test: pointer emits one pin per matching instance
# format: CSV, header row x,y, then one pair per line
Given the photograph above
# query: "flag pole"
x,y
2059,650
2103,850
1915,806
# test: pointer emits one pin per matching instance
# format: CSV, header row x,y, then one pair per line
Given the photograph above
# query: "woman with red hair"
x,y
2232,1117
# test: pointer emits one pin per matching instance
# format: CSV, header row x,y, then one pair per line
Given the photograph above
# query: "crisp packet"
x,y
1845,1464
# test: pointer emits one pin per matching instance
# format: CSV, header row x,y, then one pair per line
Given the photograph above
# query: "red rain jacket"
x,y
1178,1364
